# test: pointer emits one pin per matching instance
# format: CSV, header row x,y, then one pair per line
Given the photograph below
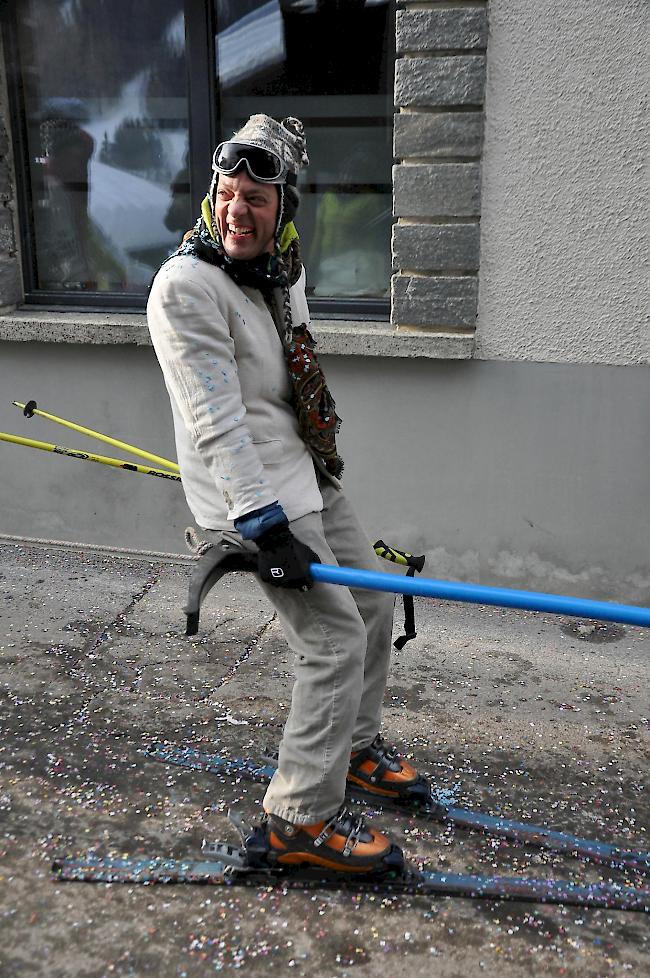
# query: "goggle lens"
x,y
261,164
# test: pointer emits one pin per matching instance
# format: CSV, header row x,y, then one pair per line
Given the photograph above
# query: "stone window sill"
x,y
335,337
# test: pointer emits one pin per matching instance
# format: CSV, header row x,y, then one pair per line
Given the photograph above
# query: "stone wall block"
x,y
423,134
10,292
440,81
7,240
10,284
436,247
442,30
437,190
5,176
434,301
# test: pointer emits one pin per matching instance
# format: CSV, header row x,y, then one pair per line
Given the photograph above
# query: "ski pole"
x,y
30,409
116,463
427,587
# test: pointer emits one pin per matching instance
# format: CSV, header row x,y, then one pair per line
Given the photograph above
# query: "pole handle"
x,y
398,556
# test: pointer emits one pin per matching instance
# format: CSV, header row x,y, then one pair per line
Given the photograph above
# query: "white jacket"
x,y
237,436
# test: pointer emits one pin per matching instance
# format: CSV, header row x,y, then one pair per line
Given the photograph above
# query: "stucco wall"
x,y
565,197
521,474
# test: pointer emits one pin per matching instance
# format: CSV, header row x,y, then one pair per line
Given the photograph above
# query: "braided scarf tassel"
x,y
312,401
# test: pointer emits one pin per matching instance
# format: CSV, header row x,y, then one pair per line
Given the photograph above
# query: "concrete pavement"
x,y
526,715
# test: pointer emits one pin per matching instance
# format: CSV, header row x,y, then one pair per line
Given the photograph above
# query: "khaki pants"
x,y
341,638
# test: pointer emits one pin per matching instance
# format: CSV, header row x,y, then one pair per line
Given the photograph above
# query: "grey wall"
x,y
564,209
531,475
113,389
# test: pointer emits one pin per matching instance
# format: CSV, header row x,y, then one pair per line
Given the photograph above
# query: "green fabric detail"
x,y
206,214
288,235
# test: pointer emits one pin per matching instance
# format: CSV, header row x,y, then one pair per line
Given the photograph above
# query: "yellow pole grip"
x,y
390,553
398,556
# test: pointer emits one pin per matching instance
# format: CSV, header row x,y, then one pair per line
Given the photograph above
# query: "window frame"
x,y
200,53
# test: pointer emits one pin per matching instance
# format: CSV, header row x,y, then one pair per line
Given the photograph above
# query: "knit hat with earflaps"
x,y
286,139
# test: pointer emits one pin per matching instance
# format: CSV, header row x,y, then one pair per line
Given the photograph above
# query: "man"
x,y
255,430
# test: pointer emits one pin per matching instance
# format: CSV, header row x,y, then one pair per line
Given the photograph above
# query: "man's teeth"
x,y
237,230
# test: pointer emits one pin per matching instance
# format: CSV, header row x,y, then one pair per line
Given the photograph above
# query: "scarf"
x,y
311,399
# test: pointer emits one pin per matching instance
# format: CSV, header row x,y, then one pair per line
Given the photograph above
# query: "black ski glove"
x,y
283,561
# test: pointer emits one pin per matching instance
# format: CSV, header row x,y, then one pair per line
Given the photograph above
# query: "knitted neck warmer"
x,y
311,399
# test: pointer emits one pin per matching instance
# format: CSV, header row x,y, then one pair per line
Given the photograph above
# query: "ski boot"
x,y
378,770
342,844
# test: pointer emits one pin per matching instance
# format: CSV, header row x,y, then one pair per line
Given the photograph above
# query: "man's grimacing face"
x,y
246,214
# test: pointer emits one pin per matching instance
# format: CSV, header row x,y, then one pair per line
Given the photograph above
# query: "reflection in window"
x,y
106,115
330,63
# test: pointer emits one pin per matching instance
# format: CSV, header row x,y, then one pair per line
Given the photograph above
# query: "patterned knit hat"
x,y
286,139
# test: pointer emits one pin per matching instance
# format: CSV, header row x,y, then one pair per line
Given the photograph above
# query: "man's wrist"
x,y
276,536
251,526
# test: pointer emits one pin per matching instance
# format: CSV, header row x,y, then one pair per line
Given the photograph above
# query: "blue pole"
x,y
428,587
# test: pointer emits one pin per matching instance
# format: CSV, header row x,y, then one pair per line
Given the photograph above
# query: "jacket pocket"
x,y
269,450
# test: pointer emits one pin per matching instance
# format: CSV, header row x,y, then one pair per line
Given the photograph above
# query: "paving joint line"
x,y
93,644
255,641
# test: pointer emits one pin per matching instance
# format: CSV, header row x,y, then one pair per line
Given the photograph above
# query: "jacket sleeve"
x,y
197,356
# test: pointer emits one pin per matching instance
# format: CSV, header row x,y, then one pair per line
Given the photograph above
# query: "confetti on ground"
x,y
506,710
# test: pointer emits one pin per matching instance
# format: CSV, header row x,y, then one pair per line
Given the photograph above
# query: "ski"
x,y
435,810
228,865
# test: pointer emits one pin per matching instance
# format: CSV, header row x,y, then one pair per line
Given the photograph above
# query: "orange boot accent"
x,y
342,843
379,770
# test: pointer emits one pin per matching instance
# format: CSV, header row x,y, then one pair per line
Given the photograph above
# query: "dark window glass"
x,y
105,107
330,63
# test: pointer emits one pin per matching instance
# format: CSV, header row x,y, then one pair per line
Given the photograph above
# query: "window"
x,y
105,131
118,106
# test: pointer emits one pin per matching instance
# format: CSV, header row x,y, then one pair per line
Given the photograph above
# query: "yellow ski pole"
x,y
116,463
30,409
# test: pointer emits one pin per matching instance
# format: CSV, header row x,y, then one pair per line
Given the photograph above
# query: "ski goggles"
x,y
262,164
